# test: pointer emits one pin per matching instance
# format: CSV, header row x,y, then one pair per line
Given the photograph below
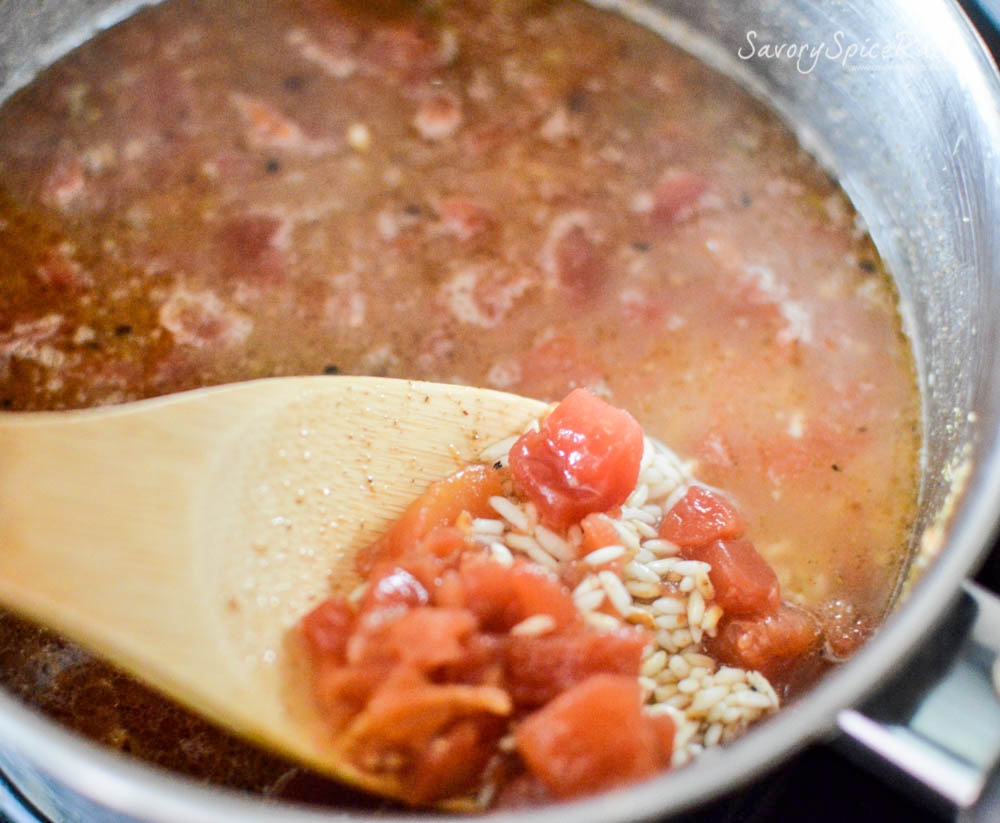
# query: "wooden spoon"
x,y
181,537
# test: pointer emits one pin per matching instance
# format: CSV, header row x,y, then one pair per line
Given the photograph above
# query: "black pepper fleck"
x,y
331,369
123,330
273,166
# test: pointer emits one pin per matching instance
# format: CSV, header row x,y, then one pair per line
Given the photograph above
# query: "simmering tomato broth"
x,y
526,195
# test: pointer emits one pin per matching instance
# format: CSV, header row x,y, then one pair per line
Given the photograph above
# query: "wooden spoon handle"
x,y
181,536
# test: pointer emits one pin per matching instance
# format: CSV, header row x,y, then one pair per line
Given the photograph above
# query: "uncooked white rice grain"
x,y
639,496
669,622
762,684
527,544
655,663
706,698
637,571
752,699
713,735
691,567
487,526
510,512
534,626
627,535
663,566
636,513
732,715
555,545
682,638
689,685
498,452
500,553
679,666
648,685
644,530
602,622
669,605
713,614
590,600
643,589
695,609
661,547
605,554
616,591
731,675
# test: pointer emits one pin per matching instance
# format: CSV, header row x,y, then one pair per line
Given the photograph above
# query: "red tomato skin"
x,y
701,516
744,582
584,458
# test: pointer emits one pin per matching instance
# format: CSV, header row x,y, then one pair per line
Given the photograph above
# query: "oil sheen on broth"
x,y
530,195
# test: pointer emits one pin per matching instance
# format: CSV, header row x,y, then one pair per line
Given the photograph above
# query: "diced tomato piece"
x,y
676,196
415,726
468,490
744,582
483,661
327,628
539,668
772,644
584,458
580,264
701,516
454,760
501,596
425,638
342,692
425,561
594,737
598,532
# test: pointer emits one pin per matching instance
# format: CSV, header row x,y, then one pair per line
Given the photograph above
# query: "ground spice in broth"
x,y
531,196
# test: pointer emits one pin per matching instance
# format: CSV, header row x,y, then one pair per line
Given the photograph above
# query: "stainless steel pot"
x,y
902,103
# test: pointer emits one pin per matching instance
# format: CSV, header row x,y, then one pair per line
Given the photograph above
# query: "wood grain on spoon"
x,y
182,537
